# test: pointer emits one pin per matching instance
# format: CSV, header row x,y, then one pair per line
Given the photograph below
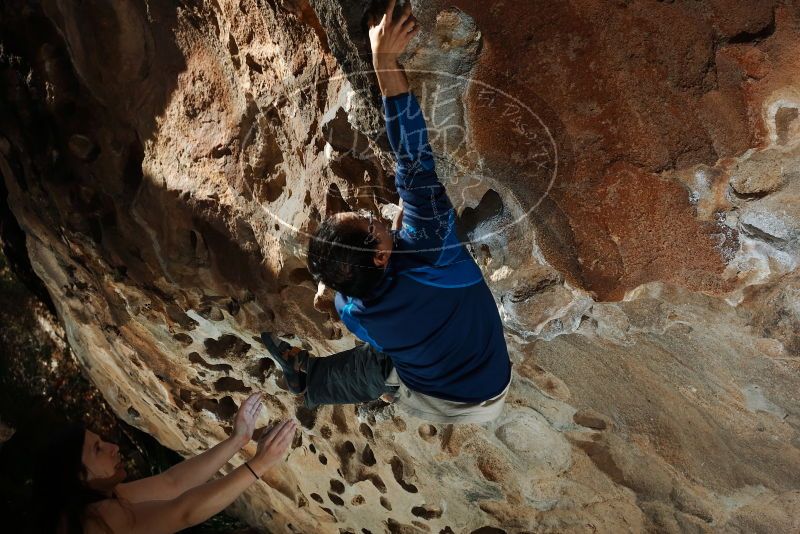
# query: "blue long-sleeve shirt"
x,y
432,313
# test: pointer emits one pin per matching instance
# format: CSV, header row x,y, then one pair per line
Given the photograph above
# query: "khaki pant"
x,y
445,411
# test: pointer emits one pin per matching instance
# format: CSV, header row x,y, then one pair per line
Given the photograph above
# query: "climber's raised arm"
x,y
388,37
198,469
427,214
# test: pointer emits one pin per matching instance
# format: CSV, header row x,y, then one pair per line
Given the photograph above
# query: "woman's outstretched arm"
x,y
200,502
198,469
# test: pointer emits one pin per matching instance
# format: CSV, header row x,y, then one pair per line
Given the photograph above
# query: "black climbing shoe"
x,y
291,359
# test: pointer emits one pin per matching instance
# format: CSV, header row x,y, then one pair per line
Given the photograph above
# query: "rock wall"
x,y
625,173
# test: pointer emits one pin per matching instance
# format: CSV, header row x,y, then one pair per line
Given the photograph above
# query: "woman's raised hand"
x,y
272,446
245,422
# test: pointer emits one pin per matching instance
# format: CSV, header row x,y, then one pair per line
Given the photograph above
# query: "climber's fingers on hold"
x,y
389,9
405,15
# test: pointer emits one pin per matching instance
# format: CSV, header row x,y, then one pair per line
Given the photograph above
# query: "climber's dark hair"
x,y
340,258
60,493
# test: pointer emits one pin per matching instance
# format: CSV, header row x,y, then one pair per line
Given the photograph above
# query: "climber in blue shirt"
x,y
431,330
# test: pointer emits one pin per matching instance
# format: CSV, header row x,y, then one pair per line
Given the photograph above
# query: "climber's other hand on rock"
x,y
246,417
324,300
272,446
390,36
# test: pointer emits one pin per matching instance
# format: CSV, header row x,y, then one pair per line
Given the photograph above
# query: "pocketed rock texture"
x,y
626,173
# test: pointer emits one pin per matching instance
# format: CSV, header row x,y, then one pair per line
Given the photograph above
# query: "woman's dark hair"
x,y
339,257
60,493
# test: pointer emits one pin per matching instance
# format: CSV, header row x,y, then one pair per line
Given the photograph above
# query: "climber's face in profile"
x,y
102,462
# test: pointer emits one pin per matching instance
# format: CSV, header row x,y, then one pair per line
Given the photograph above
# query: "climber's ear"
x,y
381,258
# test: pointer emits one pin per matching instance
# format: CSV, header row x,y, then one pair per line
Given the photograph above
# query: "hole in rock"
x,y
366,531
483,255
228,384
337,486
193,239
366,431
323,459
177,315
132,175
334,202
317,497
427,512
312,448
325,432
340,134
335,499
227,408
301,501
755,36
298,276
386,504
397,471
273,189
376,480
164,378
233,306
489,207
785,123
196,358
227,346
306,416
298,440
399,424
185,395
339,419
252,64
183,339
447,530
211,313
133,412
395,527
426,431
220,151
367,456
224,409
233,49
262,369
488,530
345,452
328,511
357,500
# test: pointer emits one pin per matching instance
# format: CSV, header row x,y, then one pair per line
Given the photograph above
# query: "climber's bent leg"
x,y
352,376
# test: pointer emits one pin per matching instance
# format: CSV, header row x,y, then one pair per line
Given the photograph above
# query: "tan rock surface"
x,y
624,171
